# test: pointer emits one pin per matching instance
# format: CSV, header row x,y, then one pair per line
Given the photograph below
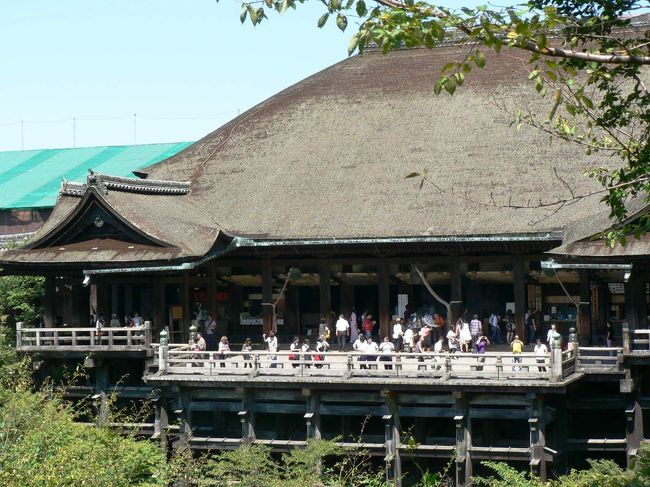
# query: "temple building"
x,y
301,208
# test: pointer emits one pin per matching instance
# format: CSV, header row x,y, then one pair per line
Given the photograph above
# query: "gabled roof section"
x,y
584,238
113,219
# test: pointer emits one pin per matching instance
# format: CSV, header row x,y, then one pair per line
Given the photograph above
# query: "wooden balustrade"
x,y
128,338
636,341
497,366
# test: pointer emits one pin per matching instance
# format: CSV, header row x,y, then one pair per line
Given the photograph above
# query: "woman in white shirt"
x,y
398,335
387,349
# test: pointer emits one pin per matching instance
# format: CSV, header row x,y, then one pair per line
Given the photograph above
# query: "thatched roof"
x,y
327,158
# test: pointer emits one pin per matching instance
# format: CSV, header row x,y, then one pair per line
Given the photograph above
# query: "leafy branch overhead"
x,y
589,59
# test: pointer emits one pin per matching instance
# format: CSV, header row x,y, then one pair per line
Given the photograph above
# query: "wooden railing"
x,y
36,339
488,366
599,359
636,341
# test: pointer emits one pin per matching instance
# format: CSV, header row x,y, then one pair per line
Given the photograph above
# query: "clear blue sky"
x,y
155,58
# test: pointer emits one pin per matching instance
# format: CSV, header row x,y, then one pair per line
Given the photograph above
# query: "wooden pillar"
x,y
158,305
267,296
187,312
456,293
519,283
49,300
583,320
347,298
184,417
212,289
128,299
247,417
384,299
94,301
635,301
312,417
633,431
537,429
161,422
325,292
115,301
463,441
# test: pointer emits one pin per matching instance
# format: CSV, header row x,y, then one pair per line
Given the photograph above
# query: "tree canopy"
x,y
588,58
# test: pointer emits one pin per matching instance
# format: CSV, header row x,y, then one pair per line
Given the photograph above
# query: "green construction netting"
x,y
32,179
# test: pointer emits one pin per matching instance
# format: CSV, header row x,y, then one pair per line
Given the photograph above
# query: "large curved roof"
x,y
327,157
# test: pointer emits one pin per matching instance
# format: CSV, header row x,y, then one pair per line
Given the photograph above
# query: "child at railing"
x,y
247,347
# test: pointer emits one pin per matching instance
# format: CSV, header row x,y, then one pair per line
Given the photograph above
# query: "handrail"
x,y
81,338
492,365
633,341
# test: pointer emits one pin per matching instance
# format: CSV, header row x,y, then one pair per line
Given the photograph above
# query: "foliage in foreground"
x,y
20,299
602,473
42,445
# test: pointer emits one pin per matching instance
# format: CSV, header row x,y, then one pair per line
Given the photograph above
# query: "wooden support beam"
x,y
384,299
633,431
456,293
463,441
635,301
267,296
187,311
537,427
519,283
325,292
49,300
158,307
584,308
212,290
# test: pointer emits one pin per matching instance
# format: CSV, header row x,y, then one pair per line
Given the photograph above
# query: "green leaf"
x,y
353,44
341,22
479,59
283,6
412,175
362,10
243,15
450,86
323,20
437,88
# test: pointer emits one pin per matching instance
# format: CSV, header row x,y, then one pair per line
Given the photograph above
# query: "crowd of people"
x,y
466,335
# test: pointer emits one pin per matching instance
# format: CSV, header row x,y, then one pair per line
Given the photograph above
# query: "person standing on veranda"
x,y
354,329
398,335
210,332
342,331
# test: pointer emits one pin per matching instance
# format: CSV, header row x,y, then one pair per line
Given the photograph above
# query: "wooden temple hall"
x,y
300,209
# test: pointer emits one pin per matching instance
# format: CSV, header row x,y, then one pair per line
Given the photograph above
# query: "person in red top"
x,y
439,324
368,324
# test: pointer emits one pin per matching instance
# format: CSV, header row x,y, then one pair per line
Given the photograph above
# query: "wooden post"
x,y
161,422
187,312
158,304
163,352
384,299
267,296
537,428
325,292
584,307
633,431
49,300
556,363
635,305
519,283
463,441
393,462
456,294
627,342
212,289
19,334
